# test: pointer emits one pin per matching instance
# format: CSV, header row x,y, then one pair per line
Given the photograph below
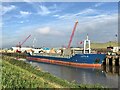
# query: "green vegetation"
x,y
19,74
103,45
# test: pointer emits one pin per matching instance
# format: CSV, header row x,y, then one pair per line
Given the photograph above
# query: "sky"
x,y
50,24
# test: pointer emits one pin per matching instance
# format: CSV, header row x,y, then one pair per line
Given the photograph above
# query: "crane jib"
x,y
72,34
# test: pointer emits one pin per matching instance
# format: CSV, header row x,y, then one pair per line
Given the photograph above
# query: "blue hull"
x,y
77,58
88,58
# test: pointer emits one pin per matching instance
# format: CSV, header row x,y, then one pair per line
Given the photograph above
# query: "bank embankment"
x,y
19,74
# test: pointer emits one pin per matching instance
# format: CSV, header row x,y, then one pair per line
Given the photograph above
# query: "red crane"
x,y
20,44
24,40
72,34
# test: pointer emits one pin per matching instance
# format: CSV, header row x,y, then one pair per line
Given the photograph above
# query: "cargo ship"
x,y
82,59
78,60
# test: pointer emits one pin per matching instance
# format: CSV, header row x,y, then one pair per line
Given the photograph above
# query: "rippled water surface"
x,y
106,76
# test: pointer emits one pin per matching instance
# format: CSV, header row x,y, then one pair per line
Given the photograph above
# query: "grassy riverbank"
x,y
104,45
19,74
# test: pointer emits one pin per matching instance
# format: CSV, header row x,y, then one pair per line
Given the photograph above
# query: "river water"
x,y
106,76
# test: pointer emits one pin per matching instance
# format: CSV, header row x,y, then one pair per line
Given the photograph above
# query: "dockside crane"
x,y
20,44
73,31
24,41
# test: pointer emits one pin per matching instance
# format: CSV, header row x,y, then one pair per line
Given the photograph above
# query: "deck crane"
x,y
73,31
20,44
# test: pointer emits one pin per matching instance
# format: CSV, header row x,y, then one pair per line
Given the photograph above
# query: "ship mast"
x,y
87,41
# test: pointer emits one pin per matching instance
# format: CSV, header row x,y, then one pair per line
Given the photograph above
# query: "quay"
x,y
112,64
112,60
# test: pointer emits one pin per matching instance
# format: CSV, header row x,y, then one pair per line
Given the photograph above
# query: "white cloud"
x,y
45,30
84,12
21,21
98,4
87,11
24,13
6,9
56,15
48,31
43,10
28,1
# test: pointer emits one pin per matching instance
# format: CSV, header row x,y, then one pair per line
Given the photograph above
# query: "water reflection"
x,y
111,70
106,76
